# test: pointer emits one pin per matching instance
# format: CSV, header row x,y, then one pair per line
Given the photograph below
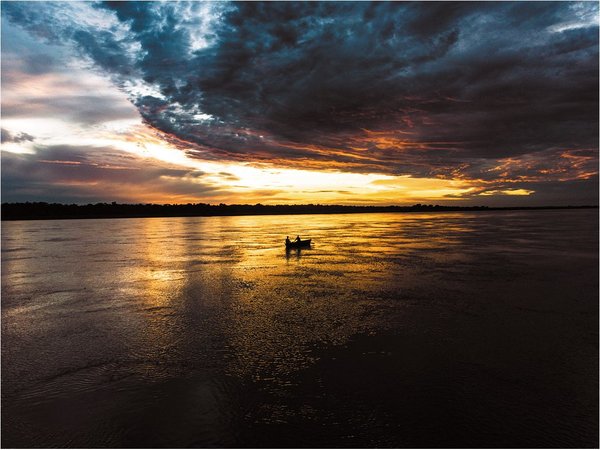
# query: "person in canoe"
x,y
297,239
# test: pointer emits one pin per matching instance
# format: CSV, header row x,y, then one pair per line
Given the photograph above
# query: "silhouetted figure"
x,y
287,241
298,239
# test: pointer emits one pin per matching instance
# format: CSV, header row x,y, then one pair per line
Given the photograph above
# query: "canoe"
x,y
298,244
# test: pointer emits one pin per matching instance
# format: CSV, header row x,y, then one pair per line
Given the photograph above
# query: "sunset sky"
x,y
492,103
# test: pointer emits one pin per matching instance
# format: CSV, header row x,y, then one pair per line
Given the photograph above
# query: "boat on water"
x,y
298,244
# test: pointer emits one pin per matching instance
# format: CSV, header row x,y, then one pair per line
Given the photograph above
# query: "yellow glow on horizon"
x,y
256,178
231,182
243,182
508,192
517,192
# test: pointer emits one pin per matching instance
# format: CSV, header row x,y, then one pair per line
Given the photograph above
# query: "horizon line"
x,y
321,205
58,211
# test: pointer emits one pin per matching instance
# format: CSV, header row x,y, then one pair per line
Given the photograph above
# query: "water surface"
x,y
399,330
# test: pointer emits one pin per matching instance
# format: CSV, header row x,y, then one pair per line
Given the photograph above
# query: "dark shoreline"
x,y
57,211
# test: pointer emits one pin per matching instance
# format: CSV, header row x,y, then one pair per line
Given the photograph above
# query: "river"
x,y
393,330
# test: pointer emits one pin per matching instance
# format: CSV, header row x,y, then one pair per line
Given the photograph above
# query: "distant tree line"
x,y
43,210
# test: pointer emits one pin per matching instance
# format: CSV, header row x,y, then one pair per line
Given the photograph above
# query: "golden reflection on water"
x,y
274,305
159,275
174,289
288,302
152,279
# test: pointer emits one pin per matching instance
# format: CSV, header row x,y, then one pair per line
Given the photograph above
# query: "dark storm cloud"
x,y
451,88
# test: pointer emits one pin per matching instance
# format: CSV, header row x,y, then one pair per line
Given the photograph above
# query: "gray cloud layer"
x,y
73,174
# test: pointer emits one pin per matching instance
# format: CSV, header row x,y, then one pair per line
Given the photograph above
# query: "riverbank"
x,y
52,211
